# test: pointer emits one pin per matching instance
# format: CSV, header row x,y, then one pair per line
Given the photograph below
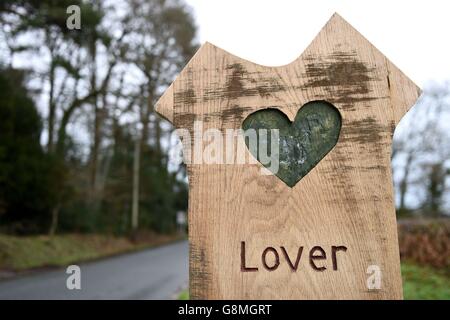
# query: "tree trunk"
x,y
404,182
55,218
158,136
95,148
97,122
145,120
135,203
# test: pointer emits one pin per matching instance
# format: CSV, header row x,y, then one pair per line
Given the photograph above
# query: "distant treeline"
x,y
81,148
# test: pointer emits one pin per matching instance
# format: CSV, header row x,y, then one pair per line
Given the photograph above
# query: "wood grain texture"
x,y
164,106
346,200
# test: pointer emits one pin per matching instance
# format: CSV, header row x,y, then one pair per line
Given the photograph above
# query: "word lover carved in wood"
x,y
290,186
316,253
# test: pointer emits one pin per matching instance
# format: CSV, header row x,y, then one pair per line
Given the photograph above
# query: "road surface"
x,y
150,274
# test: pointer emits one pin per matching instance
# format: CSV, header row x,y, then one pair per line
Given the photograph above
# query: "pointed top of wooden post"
x,y
337,31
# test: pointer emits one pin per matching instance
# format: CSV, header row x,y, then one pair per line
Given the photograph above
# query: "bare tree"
x,y
421,147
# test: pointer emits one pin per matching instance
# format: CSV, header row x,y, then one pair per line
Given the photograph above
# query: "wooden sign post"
x,y
319,223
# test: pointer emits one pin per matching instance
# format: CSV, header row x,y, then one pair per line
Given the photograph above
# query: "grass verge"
x,y
31,252
419,283
424,283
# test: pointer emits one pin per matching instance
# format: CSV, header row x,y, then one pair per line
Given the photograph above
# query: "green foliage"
x,y
88,188
24,168
184,295
163,194
178,20
116,199
422,283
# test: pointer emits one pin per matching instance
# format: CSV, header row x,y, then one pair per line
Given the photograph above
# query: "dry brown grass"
x,y
425,242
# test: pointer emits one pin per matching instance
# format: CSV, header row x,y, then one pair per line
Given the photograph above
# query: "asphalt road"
x,y
151,274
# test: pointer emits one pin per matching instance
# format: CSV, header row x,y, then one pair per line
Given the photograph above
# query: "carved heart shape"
x,y
302,143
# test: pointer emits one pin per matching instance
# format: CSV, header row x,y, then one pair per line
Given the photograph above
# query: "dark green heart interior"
x,y
302,143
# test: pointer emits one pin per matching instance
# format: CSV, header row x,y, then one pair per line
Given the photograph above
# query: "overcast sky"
x,y
414,35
